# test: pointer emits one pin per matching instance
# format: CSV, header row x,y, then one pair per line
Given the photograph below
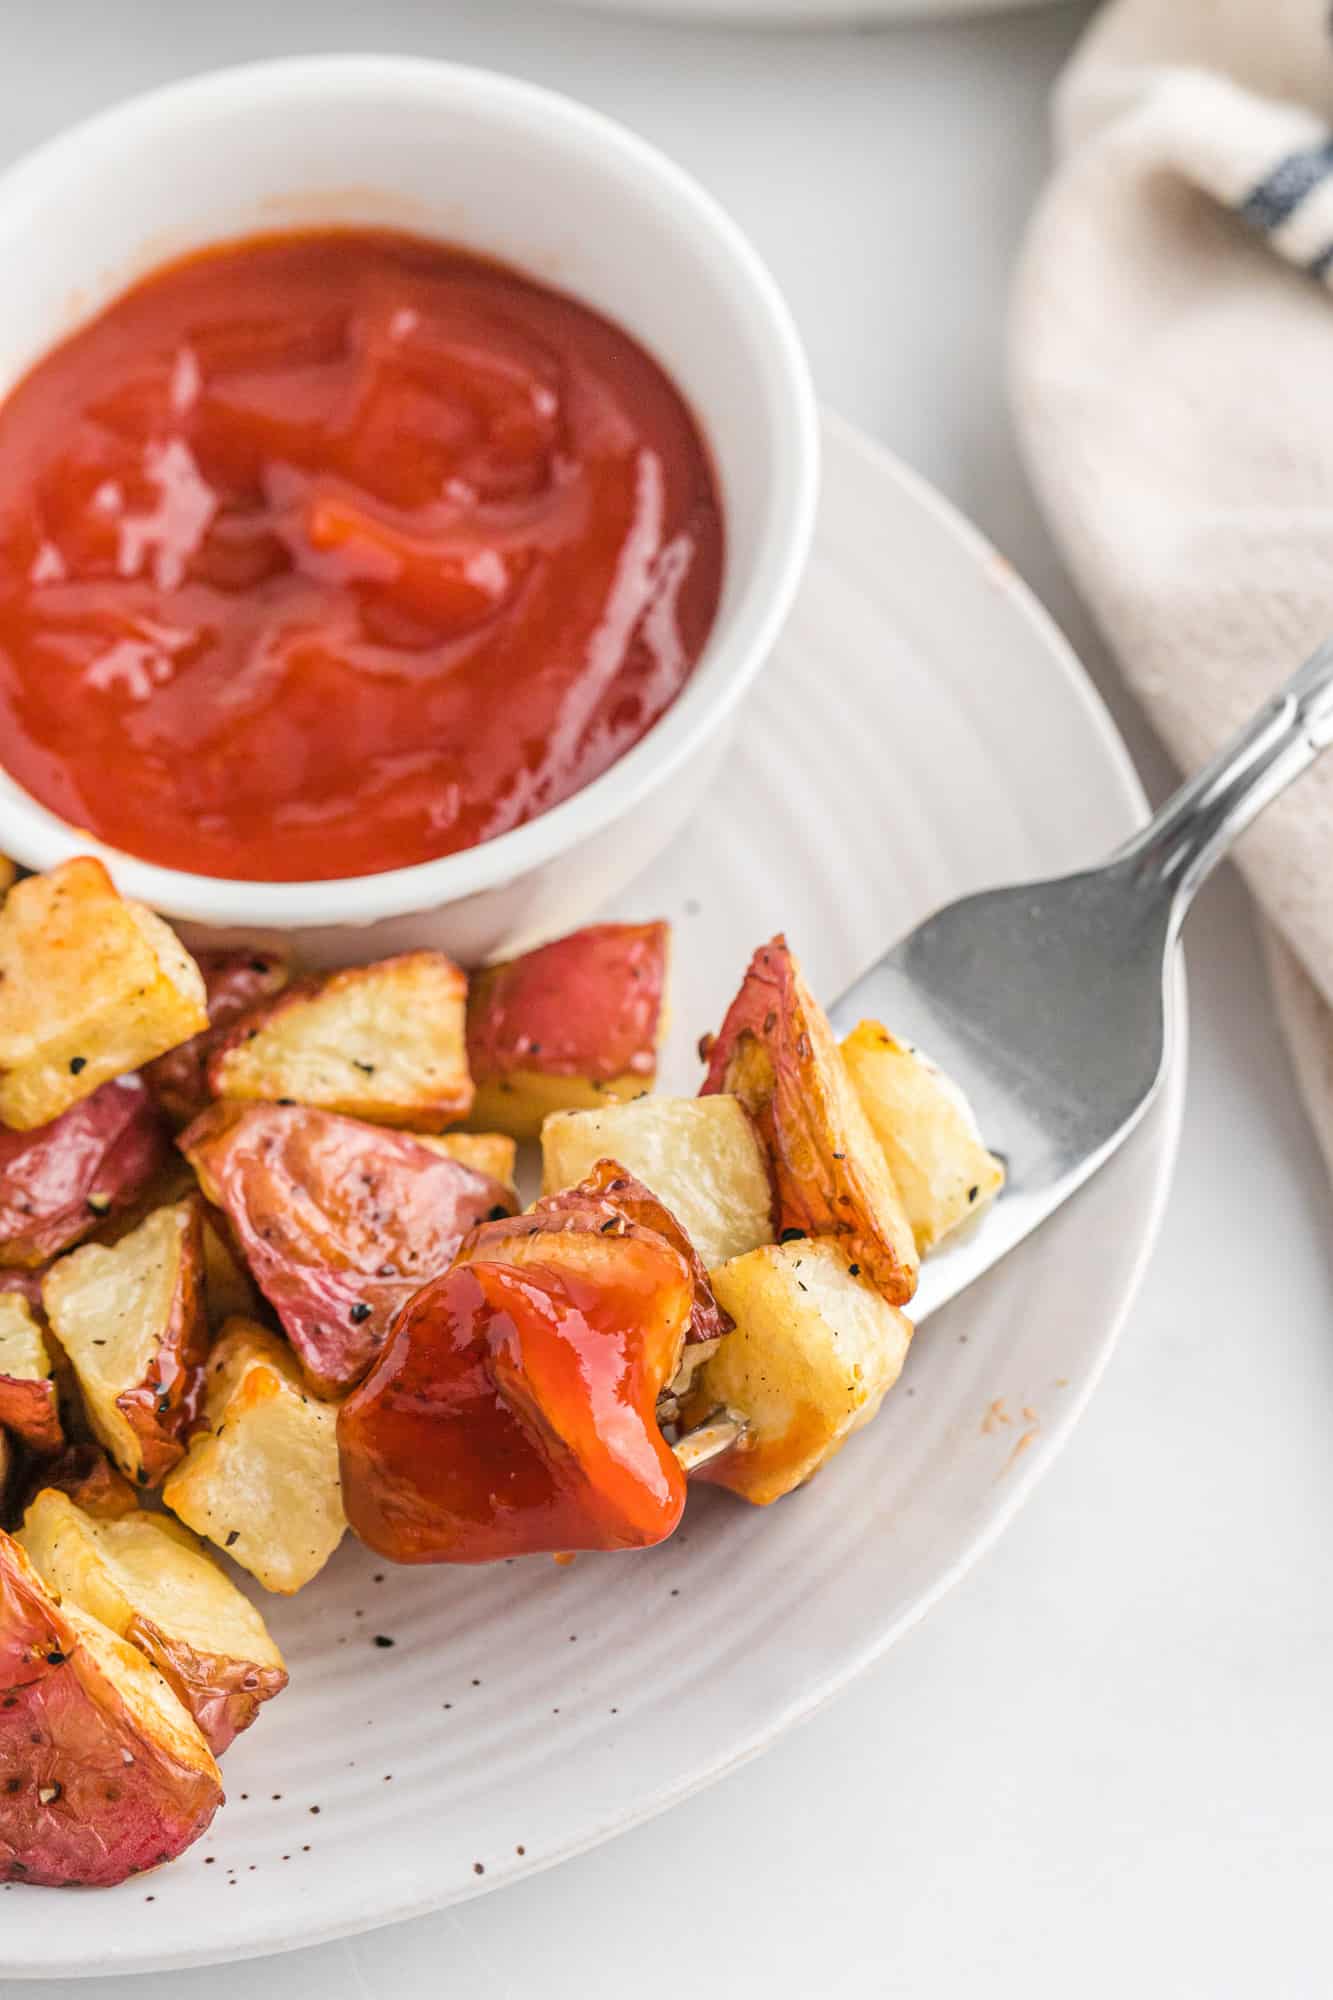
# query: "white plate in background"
x,y
923,731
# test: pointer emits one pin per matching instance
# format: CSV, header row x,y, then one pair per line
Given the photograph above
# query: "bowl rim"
x,y
741,638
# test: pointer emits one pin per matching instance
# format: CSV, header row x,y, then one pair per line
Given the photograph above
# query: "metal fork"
x,y
1049,1003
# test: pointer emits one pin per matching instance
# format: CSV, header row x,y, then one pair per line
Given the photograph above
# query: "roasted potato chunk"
x,y
131,1319
514,1408
63,1180
29,1405
574,1024
90,987
382,1042
699,1155
776,1052
605,1202
812,1356
262,1480
927,1131
147,1578
102,1772
9,875
339,1221
335,1215
234,983
489,1153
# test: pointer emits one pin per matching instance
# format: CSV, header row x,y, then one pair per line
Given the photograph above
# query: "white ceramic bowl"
x,y
539,182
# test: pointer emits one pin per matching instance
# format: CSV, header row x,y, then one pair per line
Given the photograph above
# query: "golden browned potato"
x,y
572,1025
131,1319
925,1125
490,1153
90,986
776,1052
9,875
149,1580
262,1480
701,1156
813,1353
29,1405
102,1772
382,1042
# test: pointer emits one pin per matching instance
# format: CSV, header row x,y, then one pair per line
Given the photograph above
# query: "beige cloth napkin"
x,y
1172,374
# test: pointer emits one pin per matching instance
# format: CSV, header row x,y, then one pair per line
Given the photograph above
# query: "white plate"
x,y
923,731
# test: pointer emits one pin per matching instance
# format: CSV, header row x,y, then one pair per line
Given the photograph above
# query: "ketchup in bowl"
x,y
329,553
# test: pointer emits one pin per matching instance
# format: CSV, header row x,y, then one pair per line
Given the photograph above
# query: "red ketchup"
x,y
329,553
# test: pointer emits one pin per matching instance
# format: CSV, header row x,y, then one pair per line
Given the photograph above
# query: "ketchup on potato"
x,y
333,552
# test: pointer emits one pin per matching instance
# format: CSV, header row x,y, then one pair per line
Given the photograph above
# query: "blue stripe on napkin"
x,y
1282,191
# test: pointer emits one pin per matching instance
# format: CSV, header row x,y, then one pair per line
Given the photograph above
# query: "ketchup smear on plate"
x,y
328,553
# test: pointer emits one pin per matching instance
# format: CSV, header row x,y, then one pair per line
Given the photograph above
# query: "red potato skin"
x,y
61,1182
340,1222
92,1482
234,982
85,1797
29,1284
608,1191
30,1410
587,1005
223,1696
513,1412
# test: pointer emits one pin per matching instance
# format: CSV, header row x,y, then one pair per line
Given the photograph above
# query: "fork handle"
x,y
1196,828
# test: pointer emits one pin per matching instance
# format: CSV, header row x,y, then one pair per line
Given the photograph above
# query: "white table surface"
x,y
1105,1763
